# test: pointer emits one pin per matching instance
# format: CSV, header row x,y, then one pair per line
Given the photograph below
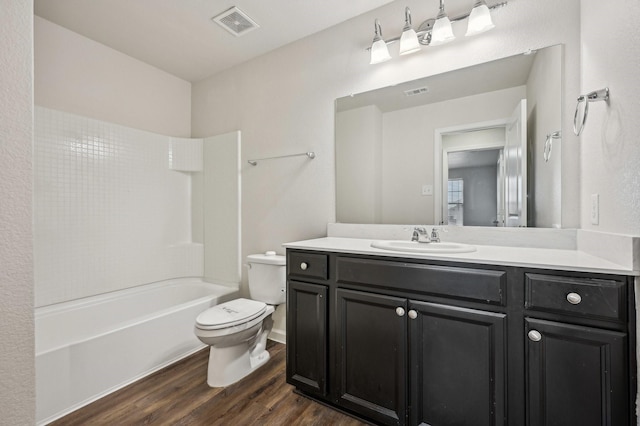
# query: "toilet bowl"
x,y
237,330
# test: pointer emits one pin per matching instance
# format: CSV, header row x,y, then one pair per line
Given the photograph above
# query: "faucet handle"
x,y
420,234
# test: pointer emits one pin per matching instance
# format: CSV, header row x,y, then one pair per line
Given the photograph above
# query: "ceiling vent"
x,y
236,22
418,91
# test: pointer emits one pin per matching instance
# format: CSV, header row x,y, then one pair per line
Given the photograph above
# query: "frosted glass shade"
x,y
409,42
479,20
442,31
379,52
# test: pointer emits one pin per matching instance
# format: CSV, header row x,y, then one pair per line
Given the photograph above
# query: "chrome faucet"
x,y
420,235
435,236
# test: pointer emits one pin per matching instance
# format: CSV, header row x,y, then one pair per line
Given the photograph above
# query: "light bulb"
x,y
409,39
379,49
379,52
442,32
409,42
479,19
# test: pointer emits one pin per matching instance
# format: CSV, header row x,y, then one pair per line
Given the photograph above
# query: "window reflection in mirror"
x,y
476,173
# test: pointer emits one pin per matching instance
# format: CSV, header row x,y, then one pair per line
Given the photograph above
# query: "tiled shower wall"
x,y
112,207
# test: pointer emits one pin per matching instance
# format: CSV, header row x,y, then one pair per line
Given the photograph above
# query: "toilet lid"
x,y
230,313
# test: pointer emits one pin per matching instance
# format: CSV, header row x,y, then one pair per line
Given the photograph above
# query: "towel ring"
x,y
598,95
548,144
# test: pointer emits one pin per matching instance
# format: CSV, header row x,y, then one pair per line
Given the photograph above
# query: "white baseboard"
x,y
278,335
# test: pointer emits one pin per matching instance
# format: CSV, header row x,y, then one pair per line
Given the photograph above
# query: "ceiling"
x,y
487,77
179,37
478,158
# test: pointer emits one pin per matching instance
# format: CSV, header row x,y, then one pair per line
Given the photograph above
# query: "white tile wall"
x,y
108,211
185,154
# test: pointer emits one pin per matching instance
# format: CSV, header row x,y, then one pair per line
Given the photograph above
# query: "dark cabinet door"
x,y
575,375
457,365
371,338
307,337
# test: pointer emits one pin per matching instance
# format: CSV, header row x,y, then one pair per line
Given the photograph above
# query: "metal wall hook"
x,y
548,144
596,95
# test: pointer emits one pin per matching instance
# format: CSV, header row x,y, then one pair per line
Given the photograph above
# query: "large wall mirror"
x,y
467,147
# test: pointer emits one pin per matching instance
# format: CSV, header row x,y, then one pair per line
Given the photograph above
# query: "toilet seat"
x,y
230,314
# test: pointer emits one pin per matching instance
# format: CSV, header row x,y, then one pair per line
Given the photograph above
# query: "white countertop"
x,y
543,258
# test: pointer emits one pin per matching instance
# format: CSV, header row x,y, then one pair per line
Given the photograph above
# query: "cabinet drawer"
x,y
595,298
482,285
306,265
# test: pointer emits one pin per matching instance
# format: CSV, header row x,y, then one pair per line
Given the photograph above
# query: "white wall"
x,y
284,103
221,207
359,165
544,116
17,372
78,75
610,155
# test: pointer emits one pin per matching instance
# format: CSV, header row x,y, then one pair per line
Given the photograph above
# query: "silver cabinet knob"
x,y
574,298
413,314
304,266
400,311
535,335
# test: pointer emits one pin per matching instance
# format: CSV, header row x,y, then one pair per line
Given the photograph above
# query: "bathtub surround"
x,y
86,349
17,391
109,213
185,154
117,207
113,211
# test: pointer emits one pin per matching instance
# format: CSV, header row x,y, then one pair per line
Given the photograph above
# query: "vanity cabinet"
x,y
395,351
307,336
307,322
577,374
399,341
458,365
371,355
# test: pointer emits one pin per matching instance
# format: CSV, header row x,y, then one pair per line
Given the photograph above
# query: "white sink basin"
x,y
416,247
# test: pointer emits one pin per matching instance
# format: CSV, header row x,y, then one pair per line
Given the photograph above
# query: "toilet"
x,y
237,330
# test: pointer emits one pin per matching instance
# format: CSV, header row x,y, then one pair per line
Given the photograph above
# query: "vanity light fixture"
x,y
409,39
442,32
432,31
479,19
379,49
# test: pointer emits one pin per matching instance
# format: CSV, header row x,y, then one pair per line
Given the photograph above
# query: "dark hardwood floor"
x,y
179,395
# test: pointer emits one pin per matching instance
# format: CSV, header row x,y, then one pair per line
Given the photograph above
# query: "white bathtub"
x,y
88,348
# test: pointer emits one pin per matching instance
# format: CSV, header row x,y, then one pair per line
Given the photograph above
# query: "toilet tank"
x,y
267,278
